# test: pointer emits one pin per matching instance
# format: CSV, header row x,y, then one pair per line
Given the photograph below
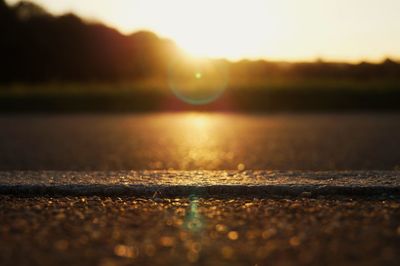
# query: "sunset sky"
x,y
292,30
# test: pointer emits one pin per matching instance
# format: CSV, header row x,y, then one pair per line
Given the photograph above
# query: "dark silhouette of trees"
x,y
36,46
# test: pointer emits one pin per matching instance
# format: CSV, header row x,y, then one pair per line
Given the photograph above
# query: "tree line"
x,y
36,46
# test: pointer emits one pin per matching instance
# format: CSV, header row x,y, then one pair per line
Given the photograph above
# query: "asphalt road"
x,y
200,218
191,141
236,231
209,184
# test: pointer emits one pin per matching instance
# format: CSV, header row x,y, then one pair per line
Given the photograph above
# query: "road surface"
x,y
247,217
191,218
199,141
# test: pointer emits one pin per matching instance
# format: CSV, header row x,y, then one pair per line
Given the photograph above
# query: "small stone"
x,y
294,241
233,235
167,241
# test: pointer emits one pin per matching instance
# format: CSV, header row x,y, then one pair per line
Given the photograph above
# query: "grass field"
x,y
240,95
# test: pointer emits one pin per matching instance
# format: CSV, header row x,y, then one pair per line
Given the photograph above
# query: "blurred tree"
x,y
36,46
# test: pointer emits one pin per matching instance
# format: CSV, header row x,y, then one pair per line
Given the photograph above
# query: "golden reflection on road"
x,y
200,138
193,140
200,122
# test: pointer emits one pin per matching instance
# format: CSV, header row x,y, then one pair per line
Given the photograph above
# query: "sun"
x,y
209,28
220,28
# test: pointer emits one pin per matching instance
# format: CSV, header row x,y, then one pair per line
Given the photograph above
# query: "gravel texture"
x,y
202,183
199,218
182,231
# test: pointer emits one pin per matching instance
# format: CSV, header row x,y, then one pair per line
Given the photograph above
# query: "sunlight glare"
x,y
213,28
198,121
273,29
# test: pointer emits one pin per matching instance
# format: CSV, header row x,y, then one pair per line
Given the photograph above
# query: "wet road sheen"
x,y
187,141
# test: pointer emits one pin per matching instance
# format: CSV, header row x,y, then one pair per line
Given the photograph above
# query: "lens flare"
x,y
193,221
198,81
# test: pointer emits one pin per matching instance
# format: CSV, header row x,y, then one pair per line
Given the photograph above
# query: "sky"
x,y
284,30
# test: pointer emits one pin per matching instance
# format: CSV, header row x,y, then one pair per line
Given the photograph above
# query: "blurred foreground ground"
x,y
179,231
86,218
190,141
